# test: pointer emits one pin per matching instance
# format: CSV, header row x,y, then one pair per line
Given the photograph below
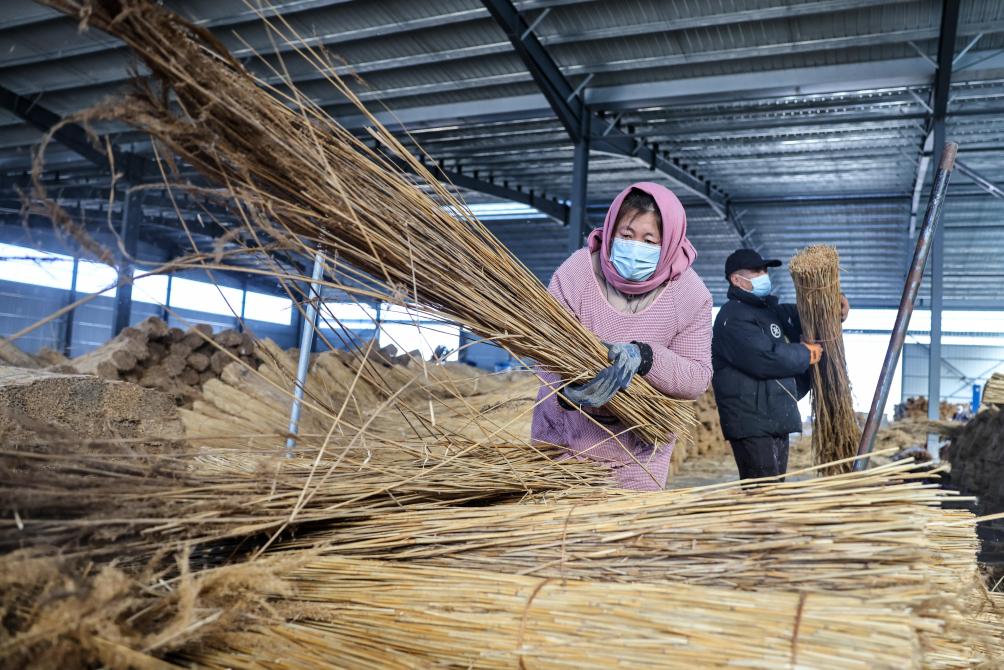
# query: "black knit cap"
x,y
747,259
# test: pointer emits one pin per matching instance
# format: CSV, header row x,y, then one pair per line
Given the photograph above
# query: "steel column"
x,y
937,302
164,312
307,330
580,182
942,89
244,303
132,215
68,319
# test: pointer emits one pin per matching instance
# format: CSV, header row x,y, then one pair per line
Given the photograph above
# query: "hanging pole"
x,y
306,344
907,302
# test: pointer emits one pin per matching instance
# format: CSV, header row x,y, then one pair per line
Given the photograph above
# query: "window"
x,y
151,289
268,308
502,211
410,330
205,297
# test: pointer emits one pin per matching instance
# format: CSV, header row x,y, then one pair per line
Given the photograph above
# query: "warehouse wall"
x,y
23,304
961,365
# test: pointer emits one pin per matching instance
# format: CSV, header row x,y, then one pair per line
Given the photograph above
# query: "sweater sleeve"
x,y
683,369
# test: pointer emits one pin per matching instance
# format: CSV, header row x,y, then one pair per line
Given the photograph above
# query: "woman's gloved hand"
x,y
626,360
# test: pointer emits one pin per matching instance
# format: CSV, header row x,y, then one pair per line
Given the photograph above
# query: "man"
x,y
760,365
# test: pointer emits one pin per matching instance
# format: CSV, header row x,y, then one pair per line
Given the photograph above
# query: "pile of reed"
x,y
835,430
367,614
881,534
129,503
993,391
299,177
249,408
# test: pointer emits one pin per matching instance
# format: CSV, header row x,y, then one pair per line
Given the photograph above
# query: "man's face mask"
x,y
761,285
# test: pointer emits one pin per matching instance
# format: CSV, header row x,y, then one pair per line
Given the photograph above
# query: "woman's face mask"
x,y
635,261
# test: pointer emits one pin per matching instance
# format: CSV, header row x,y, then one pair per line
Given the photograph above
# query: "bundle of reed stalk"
x,y
842,533
367,614
835,430
285,160
122,501
66,612
877,534
993,391
249,408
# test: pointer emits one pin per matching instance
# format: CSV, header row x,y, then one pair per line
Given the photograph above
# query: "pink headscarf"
x,y
677,255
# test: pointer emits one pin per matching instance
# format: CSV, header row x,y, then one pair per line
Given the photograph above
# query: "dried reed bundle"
x,y
64,613
127,503
843,532
876,534
835,430
364,614
993,391
249,408
285,160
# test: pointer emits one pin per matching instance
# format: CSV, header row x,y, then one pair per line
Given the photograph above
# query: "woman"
x,y
632,286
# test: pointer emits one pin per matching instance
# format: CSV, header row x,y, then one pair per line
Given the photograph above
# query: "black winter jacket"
x,y
759,366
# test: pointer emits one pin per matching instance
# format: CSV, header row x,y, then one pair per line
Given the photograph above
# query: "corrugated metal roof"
x,y
822,103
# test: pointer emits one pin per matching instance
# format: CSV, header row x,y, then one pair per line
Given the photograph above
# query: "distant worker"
x,y
634,288
760,367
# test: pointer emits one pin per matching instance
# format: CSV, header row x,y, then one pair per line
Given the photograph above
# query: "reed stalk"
x,y
297,176
367,614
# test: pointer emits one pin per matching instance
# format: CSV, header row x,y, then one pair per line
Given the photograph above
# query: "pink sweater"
x,y
678,328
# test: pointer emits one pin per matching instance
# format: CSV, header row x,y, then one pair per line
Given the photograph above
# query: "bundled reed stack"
x,y
835,430
880,535
977,458
367,614
10,354
249,408
707,440
172,360
282,154
915,407
993,392
109,499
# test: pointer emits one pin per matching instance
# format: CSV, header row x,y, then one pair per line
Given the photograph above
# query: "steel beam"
x,y
981,181
549,206
942,86
565,101
71,135
569,105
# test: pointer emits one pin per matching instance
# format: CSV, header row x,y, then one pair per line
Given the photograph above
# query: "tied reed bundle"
x,y
835,430
367,614
879,534
299,177
125,502
993,392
